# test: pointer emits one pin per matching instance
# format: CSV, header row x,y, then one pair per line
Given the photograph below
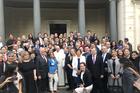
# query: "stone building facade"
x,y
120,18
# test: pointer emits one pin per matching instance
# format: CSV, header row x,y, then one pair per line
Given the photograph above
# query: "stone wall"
x,y
129,21
20,20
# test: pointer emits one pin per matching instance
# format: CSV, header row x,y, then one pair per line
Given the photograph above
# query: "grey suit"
x,y
118,71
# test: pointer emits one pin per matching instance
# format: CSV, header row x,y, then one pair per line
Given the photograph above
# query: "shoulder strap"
x,y
134,72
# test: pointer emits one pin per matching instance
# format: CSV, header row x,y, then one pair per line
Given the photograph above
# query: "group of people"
x,y
85,63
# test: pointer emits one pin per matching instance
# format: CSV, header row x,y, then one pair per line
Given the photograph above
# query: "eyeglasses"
x,y
11,56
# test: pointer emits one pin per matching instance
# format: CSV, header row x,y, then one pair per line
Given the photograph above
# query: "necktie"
x,y
44,57
78,64
114,64
103,56
37,46
93,59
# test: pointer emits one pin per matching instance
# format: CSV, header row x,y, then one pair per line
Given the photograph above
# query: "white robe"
x,y
60,57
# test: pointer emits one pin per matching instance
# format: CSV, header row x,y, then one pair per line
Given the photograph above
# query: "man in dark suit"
x,y
42,70
105,56
1,65
89,36
95,66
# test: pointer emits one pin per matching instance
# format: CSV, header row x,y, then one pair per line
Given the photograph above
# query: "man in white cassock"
x,y
60,57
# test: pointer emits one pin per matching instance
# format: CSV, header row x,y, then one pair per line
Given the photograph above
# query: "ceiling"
x,y
55,3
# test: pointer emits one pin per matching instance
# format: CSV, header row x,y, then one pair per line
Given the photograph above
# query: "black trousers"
x,y
104,83
97,86
69,78
42,86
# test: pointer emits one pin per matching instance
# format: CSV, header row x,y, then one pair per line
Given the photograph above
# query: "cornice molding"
x,y
136,1
112,0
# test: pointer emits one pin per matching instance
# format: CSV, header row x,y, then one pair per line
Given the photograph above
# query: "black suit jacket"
x,y
1,68
97,68
105,66
87,79
107,57
42,66
67,61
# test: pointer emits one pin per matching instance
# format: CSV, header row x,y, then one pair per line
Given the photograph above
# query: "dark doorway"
x,y
58,28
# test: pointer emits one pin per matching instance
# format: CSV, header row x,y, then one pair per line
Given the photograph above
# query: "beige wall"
x,y
137,24
129,21
20,20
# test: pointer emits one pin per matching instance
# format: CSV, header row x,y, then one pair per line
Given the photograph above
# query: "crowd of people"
x,y
86,64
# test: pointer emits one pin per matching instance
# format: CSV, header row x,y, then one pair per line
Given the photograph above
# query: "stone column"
x,y
2,25
121,19
37,17
137,24
113,20
81,15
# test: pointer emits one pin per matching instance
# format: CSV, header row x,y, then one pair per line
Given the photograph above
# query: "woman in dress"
x,y
28,70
